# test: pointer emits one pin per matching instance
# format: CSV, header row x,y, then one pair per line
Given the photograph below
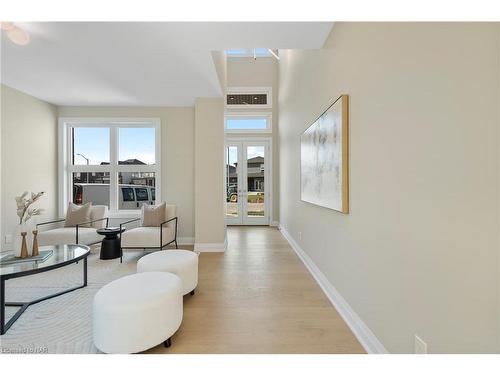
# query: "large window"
x,y
110,162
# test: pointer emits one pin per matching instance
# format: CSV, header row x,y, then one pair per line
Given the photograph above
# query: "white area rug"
x,y
62,324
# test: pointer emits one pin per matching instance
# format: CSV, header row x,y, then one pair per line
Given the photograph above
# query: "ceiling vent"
x,y
248,97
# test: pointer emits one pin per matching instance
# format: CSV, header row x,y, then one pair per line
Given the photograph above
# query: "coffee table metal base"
x,y
4,326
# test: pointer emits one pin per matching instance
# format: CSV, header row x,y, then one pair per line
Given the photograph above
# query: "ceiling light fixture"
x,y
7,26
15,33
273,53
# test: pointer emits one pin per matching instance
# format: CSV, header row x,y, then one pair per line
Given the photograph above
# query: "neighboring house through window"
x,y
112,162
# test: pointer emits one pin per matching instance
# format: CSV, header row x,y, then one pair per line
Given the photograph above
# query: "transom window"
x,y
248,122
242,52
112,162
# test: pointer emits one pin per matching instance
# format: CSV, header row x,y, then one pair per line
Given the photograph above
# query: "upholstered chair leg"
x,y
192,292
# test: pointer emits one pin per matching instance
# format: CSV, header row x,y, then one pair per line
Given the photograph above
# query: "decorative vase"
x,y
34,250
17,239
24,246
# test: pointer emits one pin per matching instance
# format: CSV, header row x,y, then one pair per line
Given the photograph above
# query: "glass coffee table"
x,y
58,256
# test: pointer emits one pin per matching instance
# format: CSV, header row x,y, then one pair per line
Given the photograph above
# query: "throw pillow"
x,y
78,214
153,216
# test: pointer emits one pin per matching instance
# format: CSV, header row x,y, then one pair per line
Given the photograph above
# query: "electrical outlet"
x,y
420,346
8,238
300,235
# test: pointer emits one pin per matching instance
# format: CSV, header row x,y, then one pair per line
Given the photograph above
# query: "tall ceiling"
x,y
137,63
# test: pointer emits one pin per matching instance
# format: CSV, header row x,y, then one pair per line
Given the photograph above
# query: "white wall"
x,y
262,72
220,64
498,177
209,194
418,253
177,132
28,155
33,117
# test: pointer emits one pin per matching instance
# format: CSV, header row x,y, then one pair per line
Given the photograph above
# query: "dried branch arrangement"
x,y
23,202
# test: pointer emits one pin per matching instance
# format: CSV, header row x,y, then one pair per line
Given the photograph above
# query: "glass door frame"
x,y
231,220
242,143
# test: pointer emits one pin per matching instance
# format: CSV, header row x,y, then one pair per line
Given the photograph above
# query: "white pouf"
x,y
183,263
137,312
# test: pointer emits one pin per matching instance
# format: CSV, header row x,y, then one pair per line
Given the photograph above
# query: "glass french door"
x,y
247,172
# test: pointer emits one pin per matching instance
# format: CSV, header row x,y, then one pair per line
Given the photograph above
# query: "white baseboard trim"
x,y
210,247
185,240
365,336
274,224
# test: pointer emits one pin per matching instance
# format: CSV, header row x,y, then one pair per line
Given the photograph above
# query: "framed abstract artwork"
x,y
324,158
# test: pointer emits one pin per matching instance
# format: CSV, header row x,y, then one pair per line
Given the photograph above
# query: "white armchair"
x,y
143,237
82,233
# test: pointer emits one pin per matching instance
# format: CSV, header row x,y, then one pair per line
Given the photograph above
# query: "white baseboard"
x,y
274,224
365,336
211,247
185,240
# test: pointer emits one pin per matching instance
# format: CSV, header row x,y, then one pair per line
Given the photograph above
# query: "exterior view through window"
x,y
96,174
232,181
248,123
255,183
242,52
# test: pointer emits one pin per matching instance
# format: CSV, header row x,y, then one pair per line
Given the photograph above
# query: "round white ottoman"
x,y
137,312
183,263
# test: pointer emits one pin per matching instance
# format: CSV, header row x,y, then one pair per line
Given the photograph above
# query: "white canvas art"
x,y
323,148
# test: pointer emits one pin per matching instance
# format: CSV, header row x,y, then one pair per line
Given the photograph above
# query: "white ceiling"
x,y
137,63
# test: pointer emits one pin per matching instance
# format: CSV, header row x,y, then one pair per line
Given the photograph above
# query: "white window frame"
x,y
249,115
66,168
249,90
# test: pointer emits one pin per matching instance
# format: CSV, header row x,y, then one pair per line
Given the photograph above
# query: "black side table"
x,y
111,243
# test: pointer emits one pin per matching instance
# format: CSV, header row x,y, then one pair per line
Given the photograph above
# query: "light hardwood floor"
x,y
258,297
